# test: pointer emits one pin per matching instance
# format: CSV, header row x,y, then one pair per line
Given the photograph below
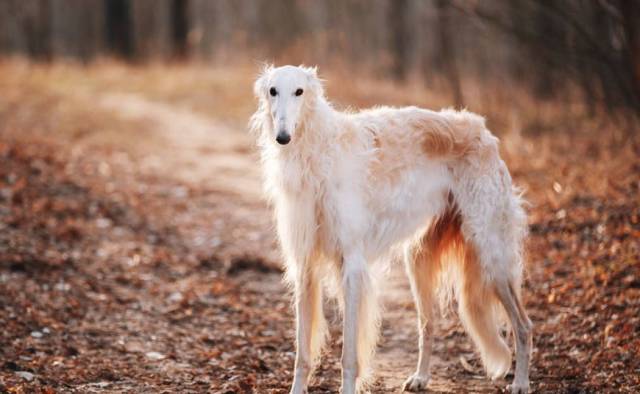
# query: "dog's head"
x,y
287,96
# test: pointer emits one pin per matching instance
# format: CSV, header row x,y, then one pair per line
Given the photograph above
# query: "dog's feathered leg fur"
x,y
493,263
424,262
296,231
311,327
521,326
360,322
422,278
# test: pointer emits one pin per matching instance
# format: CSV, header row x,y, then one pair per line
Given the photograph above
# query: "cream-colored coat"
x,y
348,187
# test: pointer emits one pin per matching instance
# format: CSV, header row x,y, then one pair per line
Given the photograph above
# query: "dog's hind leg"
x,y
423,263
492,275
494,225
521,326
421,277
478,308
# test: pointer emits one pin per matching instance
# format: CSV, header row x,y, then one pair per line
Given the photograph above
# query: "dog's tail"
x,y
454,134
482,315
478,307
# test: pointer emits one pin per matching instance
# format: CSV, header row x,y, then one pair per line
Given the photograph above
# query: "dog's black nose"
x,y
283,138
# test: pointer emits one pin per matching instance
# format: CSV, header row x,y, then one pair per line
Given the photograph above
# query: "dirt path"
x,y
193,148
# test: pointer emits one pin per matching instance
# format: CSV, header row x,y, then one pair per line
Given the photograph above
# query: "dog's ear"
x,y
261,120
315,83
260,86
312,72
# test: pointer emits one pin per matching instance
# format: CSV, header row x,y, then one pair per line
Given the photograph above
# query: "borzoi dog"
x,y
347,187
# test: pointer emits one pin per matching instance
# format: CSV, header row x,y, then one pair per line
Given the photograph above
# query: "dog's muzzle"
x,y
283,138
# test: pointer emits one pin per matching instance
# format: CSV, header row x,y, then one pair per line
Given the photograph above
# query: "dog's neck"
x,y
313,141
312,144
319,127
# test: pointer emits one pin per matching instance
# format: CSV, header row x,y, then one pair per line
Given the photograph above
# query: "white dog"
x,y
347,187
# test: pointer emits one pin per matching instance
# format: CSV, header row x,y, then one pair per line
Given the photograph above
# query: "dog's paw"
x,y
416,383
518,388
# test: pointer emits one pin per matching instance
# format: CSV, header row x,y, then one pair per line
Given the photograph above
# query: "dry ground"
x,y
137,256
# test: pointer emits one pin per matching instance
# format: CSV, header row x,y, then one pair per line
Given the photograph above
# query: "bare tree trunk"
x,y
76,28
399,38
281,23
25,27
180,27
118,27
151,31
630,11
545,76
448,51
38,30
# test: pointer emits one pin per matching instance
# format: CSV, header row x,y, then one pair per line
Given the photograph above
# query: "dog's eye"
x,y
273,91
299,92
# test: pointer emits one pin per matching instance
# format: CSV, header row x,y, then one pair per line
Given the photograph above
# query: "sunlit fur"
x,y
351,186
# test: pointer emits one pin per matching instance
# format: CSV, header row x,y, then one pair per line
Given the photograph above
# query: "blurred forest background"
x,y
554,47
137,253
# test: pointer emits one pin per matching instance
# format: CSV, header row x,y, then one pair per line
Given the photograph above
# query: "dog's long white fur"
x,y
348,187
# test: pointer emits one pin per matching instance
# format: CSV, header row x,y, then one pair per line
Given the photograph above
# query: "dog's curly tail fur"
x,y
461,275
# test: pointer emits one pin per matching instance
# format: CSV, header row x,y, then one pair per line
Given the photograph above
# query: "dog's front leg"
x,y
296,229
307,297
355,278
